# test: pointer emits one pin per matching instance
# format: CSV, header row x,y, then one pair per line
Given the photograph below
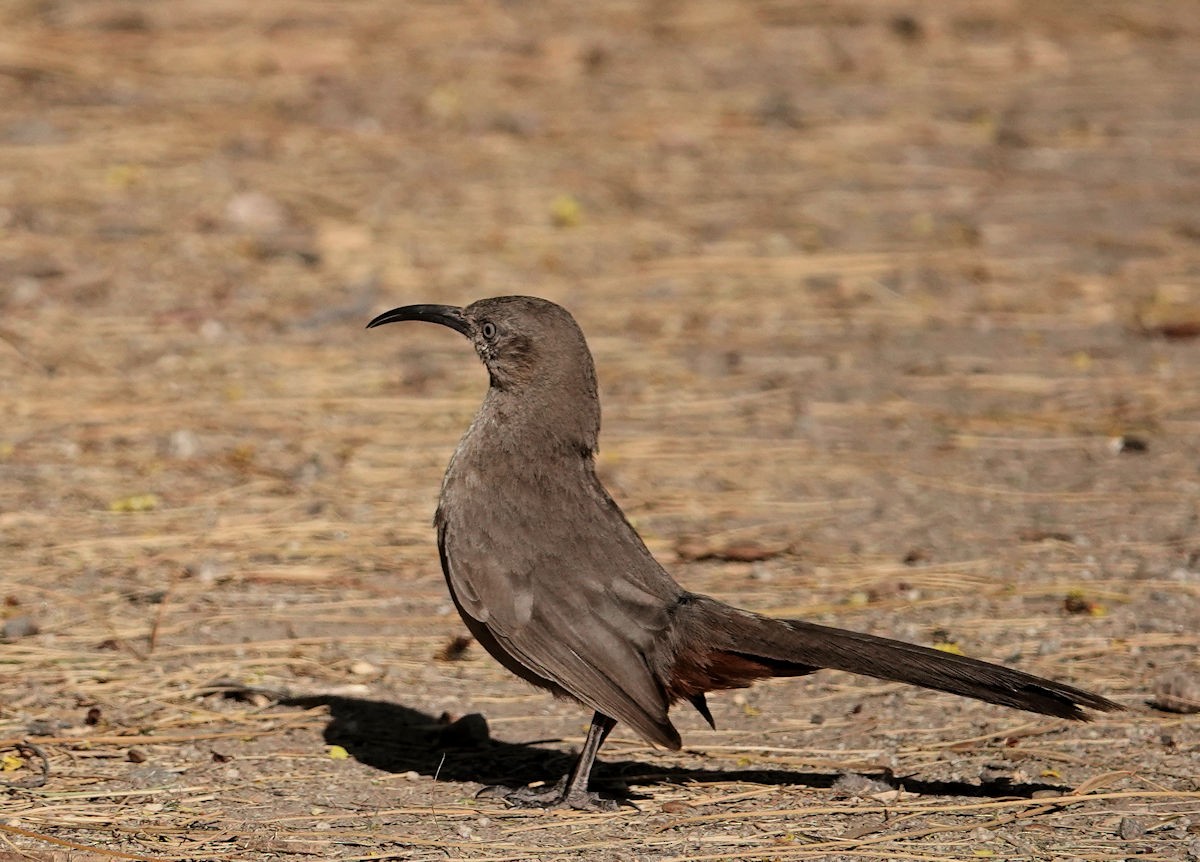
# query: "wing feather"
x,y
584,614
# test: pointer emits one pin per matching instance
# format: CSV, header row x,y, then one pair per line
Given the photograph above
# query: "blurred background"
x,y
894,306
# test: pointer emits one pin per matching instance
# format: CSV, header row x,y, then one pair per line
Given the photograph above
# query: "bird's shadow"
x,y
397,739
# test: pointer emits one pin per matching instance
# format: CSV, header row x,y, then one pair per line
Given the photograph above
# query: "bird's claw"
x,y
558,795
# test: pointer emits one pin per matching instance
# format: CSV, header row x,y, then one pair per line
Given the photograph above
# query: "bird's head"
x,y
533,349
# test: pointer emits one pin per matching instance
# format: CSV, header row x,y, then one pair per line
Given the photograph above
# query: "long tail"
x,y
718,646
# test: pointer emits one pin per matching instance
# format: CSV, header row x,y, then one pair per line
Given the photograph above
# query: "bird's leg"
x,y
575,793
570,791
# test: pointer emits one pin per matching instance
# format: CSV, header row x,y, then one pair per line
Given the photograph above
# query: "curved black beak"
x,y
446,315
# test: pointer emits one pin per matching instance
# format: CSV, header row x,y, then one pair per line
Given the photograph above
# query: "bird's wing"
x,y
581,612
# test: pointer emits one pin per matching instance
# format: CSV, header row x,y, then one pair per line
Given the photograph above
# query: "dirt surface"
x,y
894,309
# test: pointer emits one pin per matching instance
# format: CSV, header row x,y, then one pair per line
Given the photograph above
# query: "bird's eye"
x,y
488,330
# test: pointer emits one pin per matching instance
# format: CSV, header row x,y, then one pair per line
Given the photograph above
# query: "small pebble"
x,y
852,784
183,445
1131,828
1177,692
18,627
255,212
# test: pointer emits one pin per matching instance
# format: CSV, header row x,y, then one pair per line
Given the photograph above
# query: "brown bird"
x,y
552,580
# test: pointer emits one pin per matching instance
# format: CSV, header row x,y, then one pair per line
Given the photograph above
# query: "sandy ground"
x,y
894,308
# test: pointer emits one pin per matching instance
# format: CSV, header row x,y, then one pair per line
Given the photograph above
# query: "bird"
x,y
553,581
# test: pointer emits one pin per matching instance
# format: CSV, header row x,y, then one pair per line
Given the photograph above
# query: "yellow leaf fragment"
x,y
948,646
123,176
134,503
566,211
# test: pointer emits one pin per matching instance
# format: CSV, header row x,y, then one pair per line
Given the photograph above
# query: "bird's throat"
x,y
527,423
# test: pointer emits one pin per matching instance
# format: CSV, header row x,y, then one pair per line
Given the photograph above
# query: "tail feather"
x,y
897,661
790,647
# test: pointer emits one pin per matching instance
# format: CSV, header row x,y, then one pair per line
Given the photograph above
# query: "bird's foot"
x,y
557,795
